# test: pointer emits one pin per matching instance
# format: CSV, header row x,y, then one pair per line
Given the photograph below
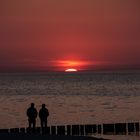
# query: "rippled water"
x,y
72,98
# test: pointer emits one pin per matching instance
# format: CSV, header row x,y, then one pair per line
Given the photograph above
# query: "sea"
x,y
71,97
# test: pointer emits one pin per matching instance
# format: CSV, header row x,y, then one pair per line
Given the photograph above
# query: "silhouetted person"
x,y
32,114
43,115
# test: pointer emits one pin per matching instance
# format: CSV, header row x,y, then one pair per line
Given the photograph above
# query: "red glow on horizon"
x,y
72,64
81,65
69,63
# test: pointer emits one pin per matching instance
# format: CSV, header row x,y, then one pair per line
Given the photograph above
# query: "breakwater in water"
x,y
82,130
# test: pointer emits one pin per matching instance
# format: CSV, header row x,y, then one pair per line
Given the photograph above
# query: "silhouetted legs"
x,y
32,122
43,124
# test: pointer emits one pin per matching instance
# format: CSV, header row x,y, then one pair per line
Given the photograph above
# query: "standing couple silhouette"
x,y
32,115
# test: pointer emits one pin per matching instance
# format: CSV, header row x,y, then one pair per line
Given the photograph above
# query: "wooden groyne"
x,y
82,130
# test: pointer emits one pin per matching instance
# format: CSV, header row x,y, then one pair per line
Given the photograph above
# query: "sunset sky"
x,y
62,34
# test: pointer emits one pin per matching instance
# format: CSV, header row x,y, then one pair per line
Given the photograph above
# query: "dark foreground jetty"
x,y
71,132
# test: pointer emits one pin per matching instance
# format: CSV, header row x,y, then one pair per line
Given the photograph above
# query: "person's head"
x,y
43,105
32,104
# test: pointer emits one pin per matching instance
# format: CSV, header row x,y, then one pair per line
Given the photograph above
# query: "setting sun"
x,y
71,70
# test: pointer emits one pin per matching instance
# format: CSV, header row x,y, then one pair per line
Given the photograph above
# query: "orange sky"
x,y
95,34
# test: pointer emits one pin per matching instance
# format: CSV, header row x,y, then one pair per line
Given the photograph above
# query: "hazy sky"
x,y
52,34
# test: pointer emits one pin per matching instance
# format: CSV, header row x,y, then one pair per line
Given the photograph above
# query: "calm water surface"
x,y
72,98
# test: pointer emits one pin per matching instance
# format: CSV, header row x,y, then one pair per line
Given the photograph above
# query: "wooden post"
x,y
94,128
99,127
69,130
137,127
108,129
120,128
82,130
75,130
88,129
53,130
131,128
60,130
46,130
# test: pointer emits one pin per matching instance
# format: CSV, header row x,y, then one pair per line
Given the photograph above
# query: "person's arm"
x,y
36,113
27,113
47,113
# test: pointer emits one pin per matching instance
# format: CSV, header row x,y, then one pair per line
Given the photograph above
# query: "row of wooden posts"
x,y
82,130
